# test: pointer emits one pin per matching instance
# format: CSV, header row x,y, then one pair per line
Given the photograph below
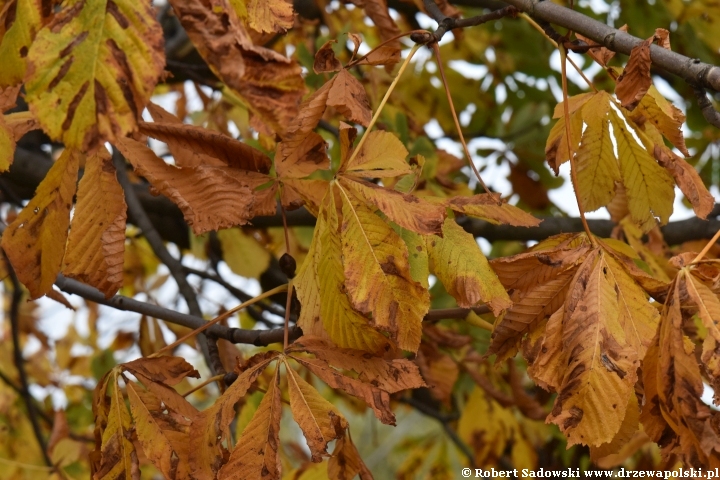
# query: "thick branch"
x,y
711,115
691,70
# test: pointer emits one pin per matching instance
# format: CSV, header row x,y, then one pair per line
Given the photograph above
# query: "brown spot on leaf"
x,y
74,105
71,46
61,73
113,10
576,415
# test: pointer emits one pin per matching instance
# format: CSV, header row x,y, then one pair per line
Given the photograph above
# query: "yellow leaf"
x,y
556,151
597,167
20,20
243,253
462,268
319,420
381,155
601,366
35,241
210,198
487,207
97,239
97,64
270,15
119,459
345,327
7,146
628,429
256,455
417,256
408,211
377,274
151,437
665,116
649,187
307,285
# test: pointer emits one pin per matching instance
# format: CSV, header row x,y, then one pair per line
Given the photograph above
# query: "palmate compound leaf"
x,y
599,328
96,244
602,175
319,420
673,413
256,455
210,197
97,64
35,241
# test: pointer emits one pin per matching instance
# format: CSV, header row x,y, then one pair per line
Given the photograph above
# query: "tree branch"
x,y
692,70
711,115
446,23
20,361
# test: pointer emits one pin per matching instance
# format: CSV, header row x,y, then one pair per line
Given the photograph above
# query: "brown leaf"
x,y
346,462
487,207
96,246
635,79
439,370
601,55
301,156
231,152
269,83
210,198
390,375
378,12
35,241
325,60
167,370
375,398
270,15
348,96
256,455
662,37
687,179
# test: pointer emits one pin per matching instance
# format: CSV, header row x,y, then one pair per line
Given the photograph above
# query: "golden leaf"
x,y
97,239
597,166
381,155
665,116
464,271
556,150
119,459
151,437
166,370
7,145
687,179
346,462
377,274
256,455
649,187
35,241
210,198
319,420
97,64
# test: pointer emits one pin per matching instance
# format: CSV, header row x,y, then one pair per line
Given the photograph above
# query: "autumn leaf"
x,y
687,179
346,463
119,459
635,79
325,60
269,16
487,207
381,155
98,227
319,420
97,63
348,96
20,20
256,454
209,197
35,241
462,268
150,435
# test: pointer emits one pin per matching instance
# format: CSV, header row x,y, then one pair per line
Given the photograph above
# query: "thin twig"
x,y
706,107
707,247
20,361
135,208
445,23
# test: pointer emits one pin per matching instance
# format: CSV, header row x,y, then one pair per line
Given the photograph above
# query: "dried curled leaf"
x,y
97,63
325,60
635,80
